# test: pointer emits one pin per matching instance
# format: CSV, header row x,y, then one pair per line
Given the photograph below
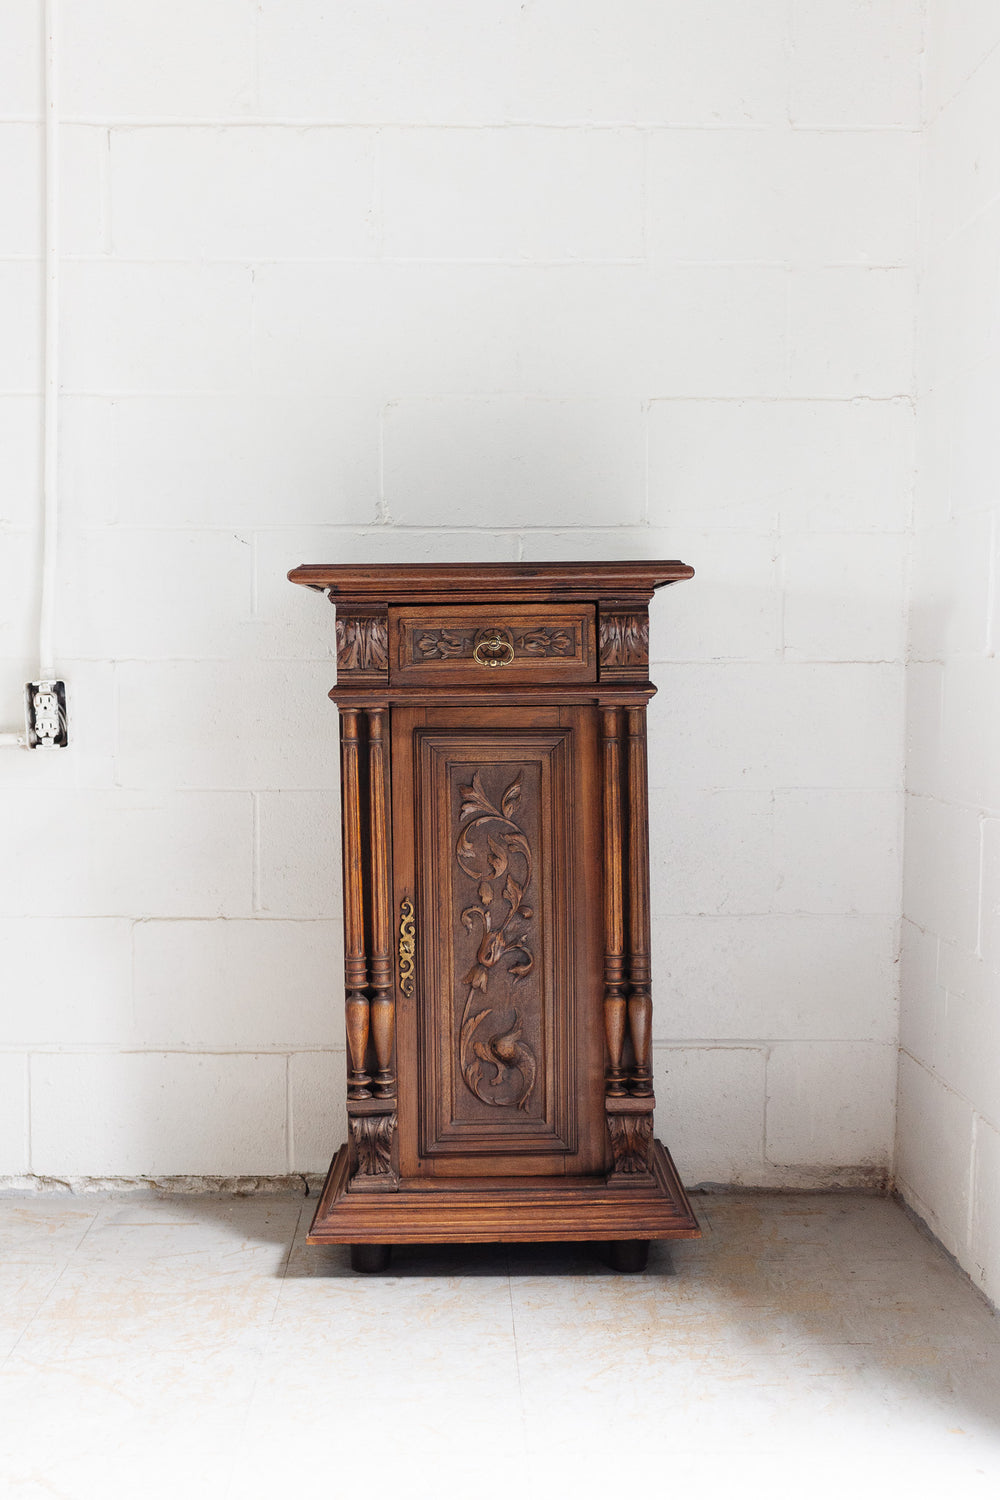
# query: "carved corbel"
x,y
623,643
362,643
373,1147
630,1132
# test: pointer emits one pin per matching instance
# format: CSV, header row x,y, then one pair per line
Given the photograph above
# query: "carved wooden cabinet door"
x,y
496,845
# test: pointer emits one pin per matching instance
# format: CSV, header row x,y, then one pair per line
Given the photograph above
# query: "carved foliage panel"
x,y
362,644
624,643
498,1069
371,1140
631,1142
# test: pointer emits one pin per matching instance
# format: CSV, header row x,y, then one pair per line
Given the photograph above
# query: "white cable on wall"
x,y
50,404
50,418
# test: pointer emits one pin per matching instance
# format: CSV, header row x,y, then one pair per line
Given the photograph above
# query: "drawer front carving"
x,y
507,644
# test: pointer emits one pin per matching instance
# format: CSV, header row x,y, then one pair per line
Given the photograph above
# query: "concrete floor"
x,y
196,1346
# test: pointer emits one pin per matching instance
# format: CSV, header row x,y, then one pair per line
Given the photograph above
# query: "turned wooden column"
x,y
640,1002
355,964
614,942
383,1010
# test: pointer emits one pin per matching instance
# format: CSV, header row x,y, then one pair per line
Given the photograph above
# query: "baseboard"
x,y
306,1183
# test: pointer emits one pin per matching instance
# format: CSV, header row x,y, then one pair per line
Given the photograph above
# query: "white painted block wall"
x,y
948,1160
421,279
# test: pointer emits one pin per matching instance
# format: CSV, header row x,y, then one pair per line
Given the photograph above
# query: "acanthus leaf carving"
x,y
624,640
631,1142
362,643
371,1139
538,641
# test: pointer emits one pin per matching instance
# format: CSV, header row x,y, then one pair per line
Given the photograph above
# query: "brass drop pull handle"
x,y
407,947
493,648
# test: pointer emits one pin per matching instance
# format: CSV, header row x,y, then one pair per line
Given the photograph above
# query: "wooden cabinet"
x,y
496,908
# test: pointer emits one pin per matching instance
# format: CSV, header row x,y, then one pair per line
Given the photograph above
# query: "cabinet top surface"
x,y
483,582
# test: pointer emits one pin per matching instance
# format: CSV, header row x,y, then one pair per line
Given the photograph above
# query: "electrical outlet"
x,y
45,714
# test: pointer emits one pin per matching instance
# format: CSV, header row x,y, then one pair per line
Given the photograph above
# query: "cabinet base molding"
x,y
484,1211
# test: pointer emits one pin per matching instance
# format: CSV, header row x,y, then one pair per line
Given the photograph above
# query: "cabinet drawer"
x,y
472,643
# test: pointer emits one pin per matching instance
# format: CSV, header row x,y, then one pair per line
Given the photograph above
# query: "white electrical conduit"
x,y
50,416
50,471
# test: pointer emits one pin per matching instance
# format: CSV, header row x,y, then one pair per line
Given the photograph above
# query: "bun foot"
x,y
370,1258
627,1255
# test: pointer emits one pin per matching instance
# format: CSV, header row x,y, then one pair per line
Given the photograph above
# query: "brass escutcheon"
x,y
494,647
407,947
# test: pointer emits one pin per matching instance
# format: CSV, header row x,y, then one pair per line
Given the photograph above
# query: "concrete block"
x,y
582,544
941,870
795,978
367,331
851,332
934,1153
516,193
157,1114
228,460
685,331
148,327
732,610
13,1113
85,996
973,454
711,852
87,461
21,320
844,597
248,193
21,162
838,851
654,62
513,461
924,728
20,558
961,180
84,190
830,1104
956,326
800,197
152,594
936,419
710,1111
924,1003
317,1083
225,724
21,443
295,623
137,58
106,853
989,893
970,731
984,1245
443,63
237,986
951,590
812,465
968,1029
856,64
956,47
22,82
298,854
794,725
